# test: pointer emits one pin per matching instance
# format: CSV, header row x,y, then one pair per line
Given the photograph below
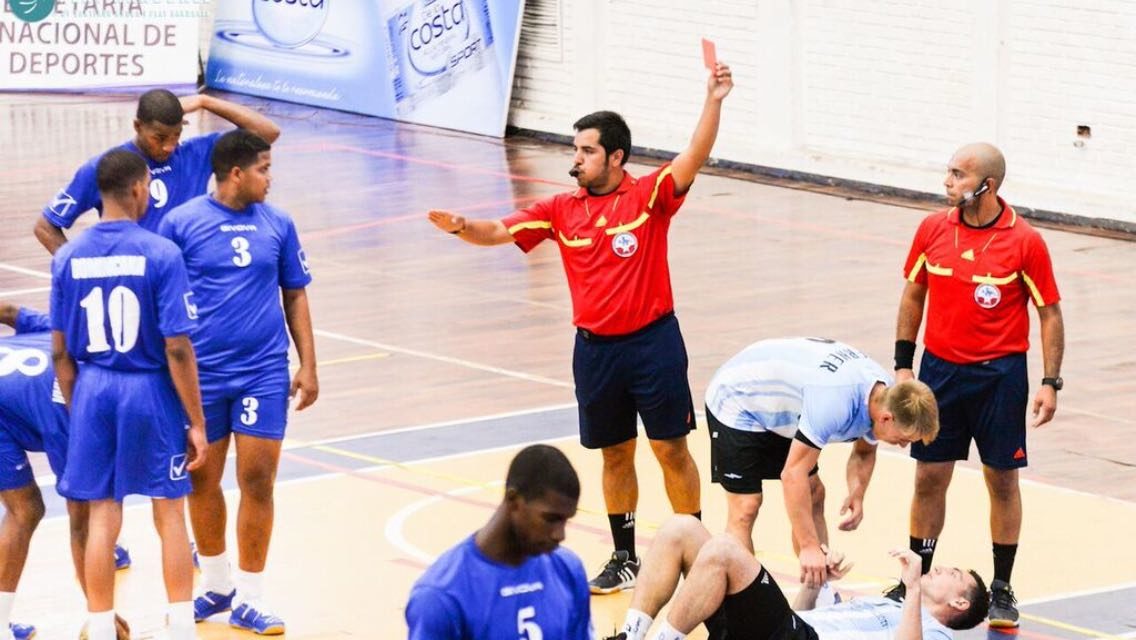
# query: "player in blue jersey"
x,y
736,597
511,578
179,169
243,257
121,314
773,406
32,418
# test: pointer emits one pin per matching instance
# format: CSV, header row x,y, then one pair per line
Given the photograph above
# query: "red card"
x,y
709,54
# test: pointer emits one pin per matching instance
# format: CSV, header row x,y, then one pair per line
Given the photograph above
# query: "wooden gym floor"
x,y
439,359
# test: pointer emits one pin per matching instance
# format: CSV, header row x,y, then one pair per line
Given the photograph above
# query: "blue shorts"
x,y
253,403
985,401
644,373
16,439
127,437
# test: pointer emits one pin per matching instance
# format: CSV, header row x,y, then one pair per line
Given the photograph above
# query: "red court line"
x,y
449,165
330,232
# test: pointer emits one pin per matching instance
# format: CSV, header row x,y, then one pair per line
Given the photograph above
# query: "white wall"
x,y
880,91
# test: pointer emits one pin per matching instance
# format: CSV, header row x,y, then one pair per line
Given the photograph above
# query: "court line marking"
x,y
393,531
469,364
44,275
20,292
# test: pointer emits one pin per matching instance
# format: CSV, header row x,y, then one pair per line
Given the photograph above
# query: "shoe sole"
x,y
599,591
270,631
1004,624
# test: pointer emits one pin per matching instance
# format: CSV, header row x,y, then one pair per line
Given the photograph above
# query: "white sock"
x,y
7,599
250,587
636,623
179,619
100,626
666,633
215,573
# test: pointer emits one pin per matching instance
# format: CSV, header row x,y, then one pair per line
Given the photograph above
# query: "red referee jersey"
x,y
614,249
978,282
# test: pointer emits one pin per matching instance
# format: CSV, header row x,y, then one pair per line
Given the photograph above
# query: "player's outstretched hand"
x,y
307,384
837,565
911,566
447,221
721,81
195,447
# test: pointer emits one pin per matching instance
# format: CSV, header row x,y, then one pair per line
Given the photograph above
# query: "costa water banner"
x,y
90,44
444,63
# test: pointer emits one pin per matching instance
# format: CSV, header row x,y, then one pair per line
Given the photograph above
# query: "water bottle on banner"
x,y
442,62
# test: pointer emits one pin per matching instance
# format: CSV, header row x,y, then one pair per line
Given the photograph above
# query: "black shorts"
x,y
758,612
740,460
984,401
642,373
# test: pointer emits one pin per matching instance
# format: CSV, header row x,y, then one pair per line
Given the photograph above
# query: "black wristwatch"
x,y
1057,383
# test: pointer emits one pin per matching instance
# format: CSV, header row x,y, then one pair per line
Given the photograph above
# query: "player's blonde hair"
x,y
912,404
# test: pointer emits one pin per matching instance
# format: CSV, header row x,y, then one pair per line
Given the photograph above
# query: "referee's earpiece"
x,y
968,197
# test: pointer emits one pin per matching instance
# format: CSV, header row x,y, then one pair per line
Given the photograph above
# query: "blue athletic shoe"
x,y
211,603
121,558
261,623
22,631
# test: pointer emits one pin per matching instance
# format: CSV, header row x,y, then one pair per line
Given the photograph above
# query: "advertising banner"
x,y
91,44
444,63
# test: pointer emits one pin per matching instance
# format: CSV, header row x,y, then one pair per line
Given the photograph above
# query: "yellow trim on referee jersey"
x,y
918,265
936,270
989,279
574,243
1037,299
630,226
531,224
658,180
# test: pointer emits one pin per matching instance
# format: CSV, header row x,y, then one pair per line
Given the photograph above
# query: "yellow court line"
x,y
378,355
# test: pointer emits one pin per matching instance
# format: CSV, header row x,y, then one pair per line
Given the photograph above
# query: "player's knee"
x,y
620,457
257,483
719,552
27,511
672,454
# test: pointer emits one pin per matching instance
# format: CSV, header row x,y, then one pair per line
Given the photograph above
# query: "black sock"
x,y
925,547
623,532
1004,561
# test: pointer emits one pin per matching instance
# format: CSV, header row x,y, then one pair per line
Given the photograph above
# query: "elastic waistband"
x,y
595,337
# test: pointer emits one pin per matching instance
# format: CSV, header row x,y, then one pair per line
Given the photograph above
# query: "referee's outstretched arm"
x,y
686,165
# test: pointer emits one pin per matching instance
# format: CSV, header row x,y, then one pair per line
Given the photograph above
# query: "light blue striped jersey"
x,y
867,619
816,386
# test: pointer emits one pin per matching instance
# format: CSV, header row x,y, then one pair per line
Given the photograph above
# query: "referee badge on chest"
x,y
987,295
625,244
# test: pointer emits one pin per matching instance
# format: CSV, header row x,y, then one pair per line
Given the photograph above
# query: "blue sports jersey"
x,y
813,386
117,291
184,176
868,619
466,596
238,261
31,405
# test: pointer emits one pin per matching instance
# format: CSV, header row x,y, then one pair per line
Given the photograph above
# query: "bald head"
x,y
984,159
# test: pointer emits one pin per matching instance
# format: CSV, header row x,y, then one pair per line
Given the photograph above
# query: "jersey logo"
x,y
29,362
62,203
303,261
625,244
968,255
190,307
177,466
987,296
